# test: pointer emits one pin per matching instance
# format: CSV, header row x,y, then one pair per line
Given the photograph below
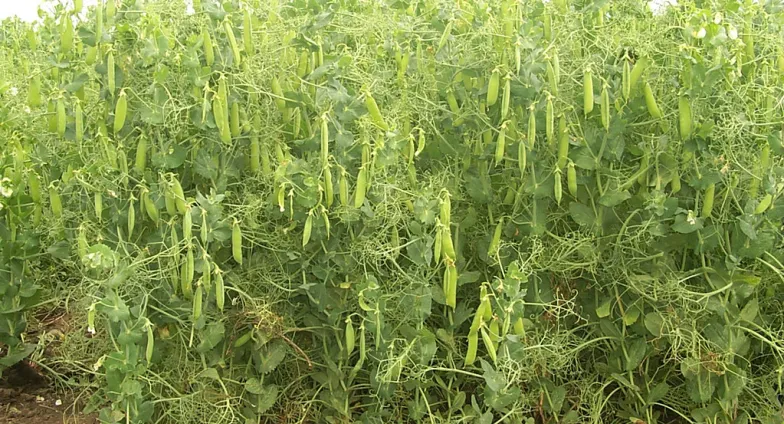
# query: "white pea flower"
x,y
5,187
717,18
733,33
701,33
13,91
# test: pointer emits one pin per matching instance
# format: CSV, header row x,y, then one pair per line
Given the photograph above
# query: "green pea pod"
x,y
359,192
495,242
350,337
489,344
550,122
55,202
500,145
247,34
551,79
120,111
626,82
473,342
531,128
707,201
60,117
571,179
563,143
650,101
447,246
437,244
763,205
605,108
236,242
197,302
684,117
521,157
235,120
375,112
493,85
675,183
588,101
209,49
220,296
150,344
505,101
235,49
131,218
557,188
308,229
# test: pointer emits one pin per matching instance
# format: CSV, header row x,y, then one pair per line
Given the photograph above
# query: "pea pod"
x,y
60,117
551,79
179,195
763,205
684,117
324,140
473,342
149,207
277,91
110,74
547,25
51,114
236,242
557,188
447,246
626,82
454,107
78,122
235,119
637,70
438,243
563,142
507,97
247,34
34,92
445,211
254,161
420,142
131,218
67,34
587,92
111,9
707,201
81,242
450,284
197,302
675,183
187,225
489,344
186,274
55,202
350,337
444,36
235,49
549,123
148,350
493,85
308,229
209,49
650,101
374,112
359,191
521,157
495,242
34,186
500,145
120,111
571,179
220,296
98,203
531,127
605,108
642,175
98,24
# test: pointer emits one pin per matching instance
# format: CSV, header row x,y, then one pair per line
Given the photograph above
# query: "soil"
x,y
27,398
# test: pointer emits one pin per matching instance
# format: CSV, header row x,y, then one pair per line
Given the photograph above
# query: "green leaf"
x,y
654,323
603,311
612,198
658,392
636,353
495,380
267,399
272,357
686,225
749,312
253,385
582,214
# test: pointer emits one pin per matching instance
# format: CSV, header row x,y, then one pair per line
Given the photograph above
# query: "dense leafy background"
x,y
624,301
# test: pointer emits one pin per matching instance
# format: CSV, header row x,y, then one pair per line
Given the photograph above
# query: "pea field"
x,y
396,211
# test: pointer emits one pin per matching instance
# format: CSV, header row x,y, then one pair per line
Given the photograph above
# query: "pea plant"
x,y
400,210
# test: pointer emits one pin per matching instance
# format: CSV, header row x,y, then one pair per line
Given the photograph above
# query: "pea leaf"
x,y
582,214
612,198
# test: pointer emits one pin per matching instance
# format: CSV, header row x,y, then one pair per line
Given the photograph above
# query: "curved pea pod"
x,y
148,350
519,327
473,342
507,98
549,123
684,117
489,344
495,242
110,76
521,157
280,196
447,246
493,85
91,56
204,231
141,155
444,36
60,117
763,205
131,218
626,82
350,337
235,120
235,49
707,201
588,101
236,242
650,101
532,127
55,202
420,142
374,112
605,108
500,145
571,179
360,190
197,302
179,195
243,339
120,111
34,92
551,79
209,49
149,207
